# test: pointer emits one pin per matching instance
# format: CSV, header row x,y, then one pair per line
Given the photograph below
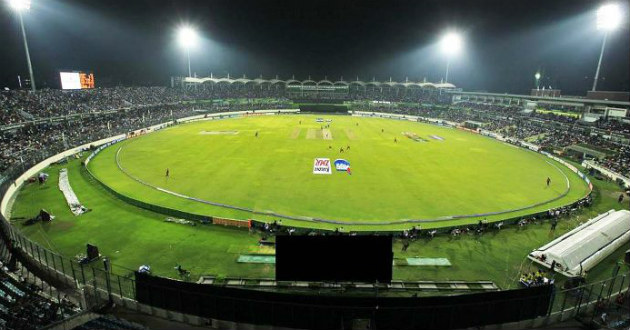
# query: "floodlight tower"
x,y
187,38
451,45
537,76
20,6
608,19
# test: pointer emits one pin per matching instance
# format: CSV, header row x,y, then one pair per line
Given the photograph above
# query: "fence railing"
x,y
93,278
100,283
589,297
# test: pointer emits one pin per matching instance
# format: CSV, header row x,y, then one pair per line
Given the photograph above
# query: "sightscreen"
x,y
323,108
334,258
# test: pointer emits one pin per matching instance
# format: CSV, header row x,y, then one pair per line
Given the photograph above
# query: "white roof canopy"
x,y
579,250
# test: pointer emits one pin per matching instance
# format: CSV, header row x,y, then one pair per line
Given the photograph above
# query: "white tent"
x,y
579,250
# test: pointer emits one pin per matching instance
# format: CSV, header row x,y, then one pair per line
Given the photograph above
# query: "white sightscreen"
x,y
70,80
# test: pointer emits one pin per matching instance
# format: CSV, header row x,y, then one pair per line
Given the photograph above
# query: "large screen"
x,y
76,80
334,258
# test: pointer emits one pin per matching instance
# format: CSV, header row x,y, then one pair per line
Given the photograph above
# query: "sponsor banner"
x,y
253,114
530,146
319,120
231,222
570,166
467,129
342,165
414,137
322,166
101,147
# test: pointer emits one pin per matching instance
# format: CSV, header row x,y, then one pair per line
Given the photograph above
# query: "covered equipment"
x,y
576,252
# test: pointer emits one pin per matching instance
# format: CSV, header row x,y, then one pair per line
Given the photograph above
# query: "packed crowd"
x,y
20,105
48,103
619,162
49,121
50,137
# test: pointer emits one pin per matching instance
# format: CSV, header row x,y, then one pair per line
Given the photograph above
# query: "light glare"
x,y
537,75
187,37
608,17
451,43
20,5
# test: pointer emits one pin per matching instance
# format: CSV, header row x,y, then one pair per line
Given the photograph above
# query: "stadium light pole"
x,y
451,45
20,6
537,76
187,39
608,19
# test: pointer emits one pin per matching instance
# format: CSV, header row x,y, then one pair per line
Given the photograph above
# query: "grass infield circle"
x,y
402,172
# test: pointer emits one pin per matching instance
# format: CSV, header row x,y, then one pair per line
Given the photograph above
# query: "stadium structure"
x,y
232,202
317,204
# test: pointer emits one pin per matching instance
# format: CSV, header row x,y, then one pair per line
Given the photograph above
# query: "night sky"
x,y
133,42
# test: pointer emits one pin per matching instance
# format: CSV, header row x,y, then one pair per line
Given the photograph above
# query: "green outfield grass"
x,y
131,237
463,174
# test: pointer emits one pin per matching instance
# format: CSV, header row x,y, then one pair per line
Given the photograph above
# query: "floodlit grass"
x,y
131,236
464,174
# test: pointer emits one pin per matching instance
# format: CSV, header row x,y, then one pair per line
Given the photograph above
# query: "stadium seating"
x,y
21,307
49,121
